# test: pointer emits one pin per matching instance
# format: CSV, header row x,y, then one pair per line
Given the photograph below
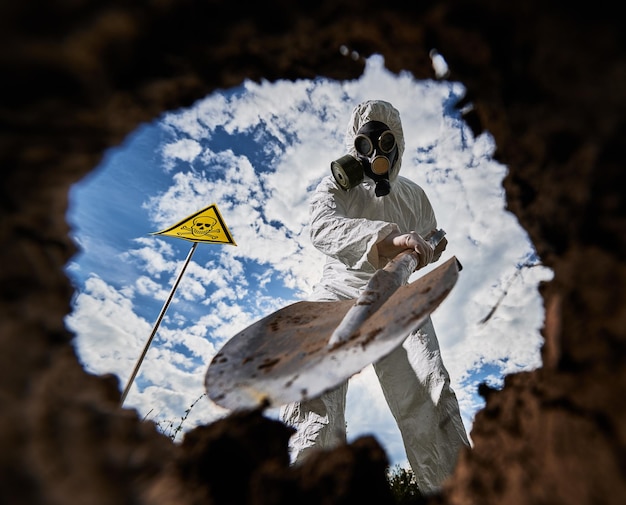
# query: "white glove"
x,y
397,242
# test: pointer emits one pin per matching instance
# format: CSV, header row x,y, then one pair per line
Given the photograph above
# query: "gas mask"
x,y
376,152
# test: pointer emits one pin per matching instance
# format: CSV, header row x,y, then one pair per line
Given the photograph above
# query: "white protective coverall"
x,y
346,226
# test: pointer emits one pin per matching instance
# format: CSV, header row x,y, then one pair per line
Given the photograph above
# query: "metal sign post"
x,y
158,322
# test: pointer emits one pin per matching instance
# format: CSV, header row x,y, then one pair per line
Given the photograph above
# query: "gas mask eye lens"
x,y
363,145
387,141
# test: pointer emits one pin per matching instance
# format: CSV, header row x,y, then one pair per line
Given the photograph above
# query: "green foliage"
x,y
403,486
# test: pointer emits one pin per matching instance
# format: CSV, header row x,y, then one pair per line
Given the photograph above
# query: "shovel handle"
x,y
380,287
403,265
405,262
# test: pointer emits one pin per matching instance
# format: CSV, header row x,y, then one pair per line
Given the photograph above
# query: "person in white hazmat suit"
x,y
361,221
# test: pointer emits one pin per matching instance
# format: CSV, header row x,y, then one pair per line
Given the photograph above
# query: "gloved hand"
x,y
397,242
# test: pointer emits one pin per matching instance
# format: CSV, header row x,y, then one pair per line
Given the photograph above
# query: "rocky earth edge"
x,y
547,80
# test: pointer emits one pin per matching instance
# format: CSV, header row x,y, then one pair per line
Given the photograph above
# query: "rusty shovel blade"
x,y
285,357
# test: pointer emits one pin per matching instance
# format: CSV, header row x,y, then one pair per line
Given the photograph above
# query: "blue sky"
x,y
258,151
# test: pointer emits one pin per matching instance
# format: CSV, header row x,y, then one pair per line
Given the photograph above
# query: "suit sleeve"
x,y
347,239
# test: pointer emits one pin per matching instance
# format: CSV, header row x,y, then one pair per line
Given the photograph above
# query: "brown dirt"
x,y
545,79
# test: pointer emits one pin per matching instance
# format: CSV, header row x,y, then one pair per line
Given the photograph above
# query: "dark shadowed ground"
x,y
547,80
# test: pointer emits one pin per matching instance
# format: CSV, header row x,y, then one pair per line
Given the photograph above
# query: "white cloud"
x,y
109,330
183,149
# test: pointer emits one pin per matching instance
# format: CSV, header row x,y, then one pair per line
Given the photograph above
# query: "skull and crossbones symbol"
x,y
202,226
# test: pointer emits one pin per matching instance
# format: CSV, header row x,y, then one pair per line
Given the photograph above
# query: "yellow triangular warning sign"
x,y
206,225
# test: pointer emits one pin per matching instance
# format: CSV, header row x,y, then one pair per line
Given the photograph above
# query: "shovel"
x,y
310,347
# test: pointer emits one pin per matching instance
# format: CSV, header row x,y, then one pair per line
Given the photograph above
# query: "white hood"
x,y
376,110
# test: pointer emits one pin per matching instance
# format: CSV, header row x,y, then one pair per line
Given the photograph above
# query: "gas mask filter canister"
x,y
376,150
